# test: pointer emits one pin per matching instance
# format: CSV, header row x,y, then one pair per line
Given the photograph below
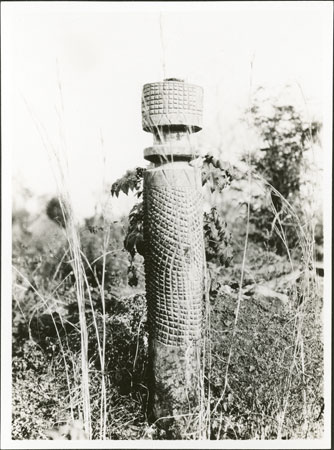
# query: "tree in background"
x,y
286,137
55,212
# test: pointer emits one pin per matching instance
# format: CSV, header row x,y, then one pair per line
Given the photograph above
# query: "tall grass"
x,y
303,222
59,164
302,301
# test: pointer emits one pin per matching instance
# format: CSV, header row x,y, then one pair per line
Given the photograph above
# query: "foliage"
x,y
37,395
259,373
271,366
217,239
131,181
46,340
217,174
134,242
92,236
55,212
47,255
286,137
20,219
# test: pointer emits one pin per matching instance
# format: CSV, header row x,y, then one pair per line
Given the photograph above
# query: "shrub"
x,y
286,136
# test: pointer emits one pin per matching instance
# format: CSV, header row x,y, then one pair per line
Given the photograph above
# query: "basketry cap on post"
x,y
171,110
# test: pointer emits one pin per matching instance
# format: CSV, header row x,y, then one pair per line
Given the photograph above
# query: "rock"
x,y
226,289
285,281
267,298
70,431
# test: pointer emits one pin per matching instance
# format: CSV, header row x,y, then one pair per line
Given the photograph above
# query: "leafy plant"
x,y
217,239
286,136
55,212
37,395
216,174
134,241
131,181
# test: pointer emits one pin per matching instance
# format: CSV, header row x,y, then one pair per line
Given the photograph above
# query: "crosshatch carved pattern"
x,y
174,263
172,103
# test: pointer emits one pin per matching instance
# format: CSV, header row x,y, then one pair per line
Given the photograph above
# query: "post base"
x,y
175,387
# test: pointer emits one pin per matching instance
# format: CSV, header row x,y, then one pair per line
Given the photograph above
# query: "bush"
x,y
37,395
286,136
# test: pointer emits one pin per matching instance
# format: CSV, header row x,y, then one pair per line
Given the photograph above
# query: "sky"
x,y
72,75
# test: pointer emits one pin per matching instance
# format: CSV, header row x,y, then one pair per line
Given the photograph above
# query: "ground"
x,y
264,353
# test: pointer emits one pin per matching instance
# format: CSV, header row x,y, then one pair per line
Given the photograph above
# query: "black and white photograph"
x,y
166,186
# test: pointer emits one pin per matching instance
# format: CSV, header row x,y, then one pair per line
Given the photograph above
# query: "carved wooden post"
x,y
174,249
